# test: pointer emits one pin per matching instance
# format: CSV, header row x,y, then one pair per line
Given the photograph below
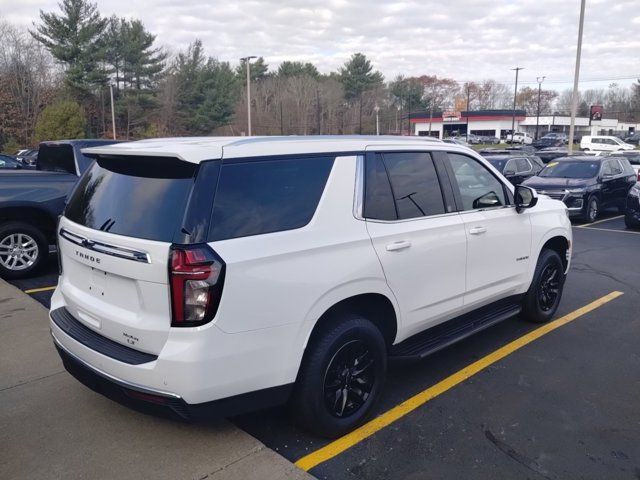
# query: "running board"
x,y
441,336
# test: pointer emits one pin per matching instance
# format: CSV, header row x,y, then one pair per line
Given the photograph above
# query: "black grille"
x,y
93,340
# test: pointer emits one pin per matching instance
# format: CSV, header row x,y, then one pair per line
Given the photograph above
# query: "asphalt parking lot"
x,y
558,404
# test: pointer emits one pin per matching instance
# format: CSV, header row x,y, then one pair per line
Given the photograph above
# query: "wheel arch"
x,y
37,217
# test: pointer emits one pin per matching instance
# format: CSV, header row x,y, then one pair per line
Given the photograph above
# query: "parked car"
x,y
604,144
489,140
548,142
586,184
32,200
516,168
520,137
633,157
632,207
633,139
290,269
557,136
470,138
28,157
9,162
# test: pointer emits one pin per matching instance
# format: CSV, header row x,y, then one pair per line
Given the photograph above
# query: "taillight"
x,y
196,274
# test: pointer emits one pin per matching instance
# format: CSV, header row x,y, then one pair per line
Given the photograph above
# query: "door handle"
x,y
477,230
395,246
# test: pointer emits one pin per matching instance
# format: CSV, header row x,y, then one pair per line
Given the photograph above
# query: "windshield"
x,y
571,169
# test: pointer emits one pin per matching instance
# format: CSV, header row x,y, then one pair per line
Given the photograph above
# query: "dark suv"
x,y
516,168
586,184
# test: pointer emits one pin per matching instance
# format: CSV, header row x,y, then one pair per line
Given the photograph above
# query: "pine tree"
x,y
258,70
74,38
357,77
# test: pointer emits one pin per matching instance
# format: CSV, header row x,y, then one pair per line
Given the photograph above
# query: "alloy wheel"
x,y
349,379
549,288
18,251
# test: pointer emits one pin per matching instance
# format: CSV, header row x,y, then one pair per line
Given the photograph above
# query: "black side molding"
x,y
93,340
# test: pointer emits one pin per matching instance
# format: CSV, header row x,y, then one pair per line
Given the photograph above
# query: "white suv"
x,y
521,137
604,144
217,275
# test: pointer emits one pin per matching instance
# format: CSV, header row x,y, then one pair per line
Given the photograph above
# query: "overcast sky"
x,y
462,39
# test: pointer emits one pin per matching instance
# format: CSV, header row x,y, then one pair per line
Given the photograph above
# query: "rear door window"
x,y
267,195
142,197
414,185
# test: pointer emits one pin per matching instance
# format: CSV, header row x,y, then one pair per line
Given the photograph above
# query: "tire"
x,y
331,361
630,222
542,299
592,209
32,247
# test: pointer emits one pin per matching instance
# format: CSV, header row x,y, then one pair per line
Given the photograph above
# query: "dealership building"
x,y
497,123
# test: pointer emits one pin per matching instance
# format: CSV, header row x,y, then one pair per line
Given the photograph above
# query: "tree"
x,y
297,69
62,120
527,99
258,70
205,91
357,77
74,38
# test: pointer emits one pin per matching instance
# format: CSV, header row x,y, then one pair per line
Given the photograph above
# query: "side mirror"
x,y
525,197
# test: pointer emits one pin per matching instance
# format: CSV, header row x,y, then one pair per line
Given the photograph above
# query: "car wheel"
x,y
592,210
542,299
23,248
630,222
341,377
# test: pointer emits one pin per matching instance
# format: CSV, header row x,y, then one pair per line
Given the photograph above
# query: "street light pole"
x,y
113,114
515,97
540,80
377,109
248,63
574,95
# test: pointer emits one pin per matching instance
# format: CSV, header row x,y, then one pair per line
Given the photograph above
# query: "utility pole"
x,y
248,63
576,77
113,113
515,98
318,110
468,97
377,109
540,80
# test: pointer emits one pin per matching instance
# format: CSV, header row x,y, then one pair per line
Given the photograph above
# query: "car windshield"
x,y
571,169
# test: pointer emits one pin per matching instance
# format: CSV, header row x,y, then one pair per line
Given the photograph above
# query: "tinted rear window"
x,y
56,158
142,197
267,196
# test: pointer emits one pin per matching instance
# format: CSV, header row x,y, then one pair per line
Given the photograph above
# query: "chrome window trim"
x,y
105,248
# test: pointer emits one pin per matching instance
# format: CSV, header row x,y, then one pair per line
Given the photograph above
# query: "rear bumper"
x,y
162,402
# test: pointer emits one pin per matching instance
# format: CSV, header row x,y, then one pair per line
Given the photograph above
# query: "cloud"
x,y
462,39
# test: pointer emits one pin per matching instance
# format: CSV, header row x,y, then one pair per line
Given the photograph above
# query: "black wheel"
x,y
23,248
591,210
340,378
545,292
630,222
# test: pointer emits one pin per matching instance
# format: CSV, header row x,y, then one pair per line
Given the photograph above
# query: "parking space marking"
x,y
588,225
42,289
387,418
611,230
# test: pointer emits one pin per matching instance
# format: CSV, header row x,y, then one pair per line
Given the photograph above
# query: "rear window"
x,y
142,197
265,196
56,158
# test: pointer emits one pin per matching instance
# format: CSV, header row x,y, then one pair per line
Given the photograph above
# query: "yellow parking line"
x,y
387,418
588,225
37,290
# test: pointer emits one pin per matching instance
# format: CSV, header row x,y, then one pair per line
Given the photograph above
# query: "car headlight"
x,y
574,190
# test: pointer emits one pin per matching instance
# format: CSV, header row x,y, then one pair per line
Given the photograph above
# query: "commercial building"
x,y
497,123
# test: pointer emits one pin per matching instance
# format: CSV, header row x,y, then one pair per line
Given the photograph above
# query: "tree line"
x,y
56,80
